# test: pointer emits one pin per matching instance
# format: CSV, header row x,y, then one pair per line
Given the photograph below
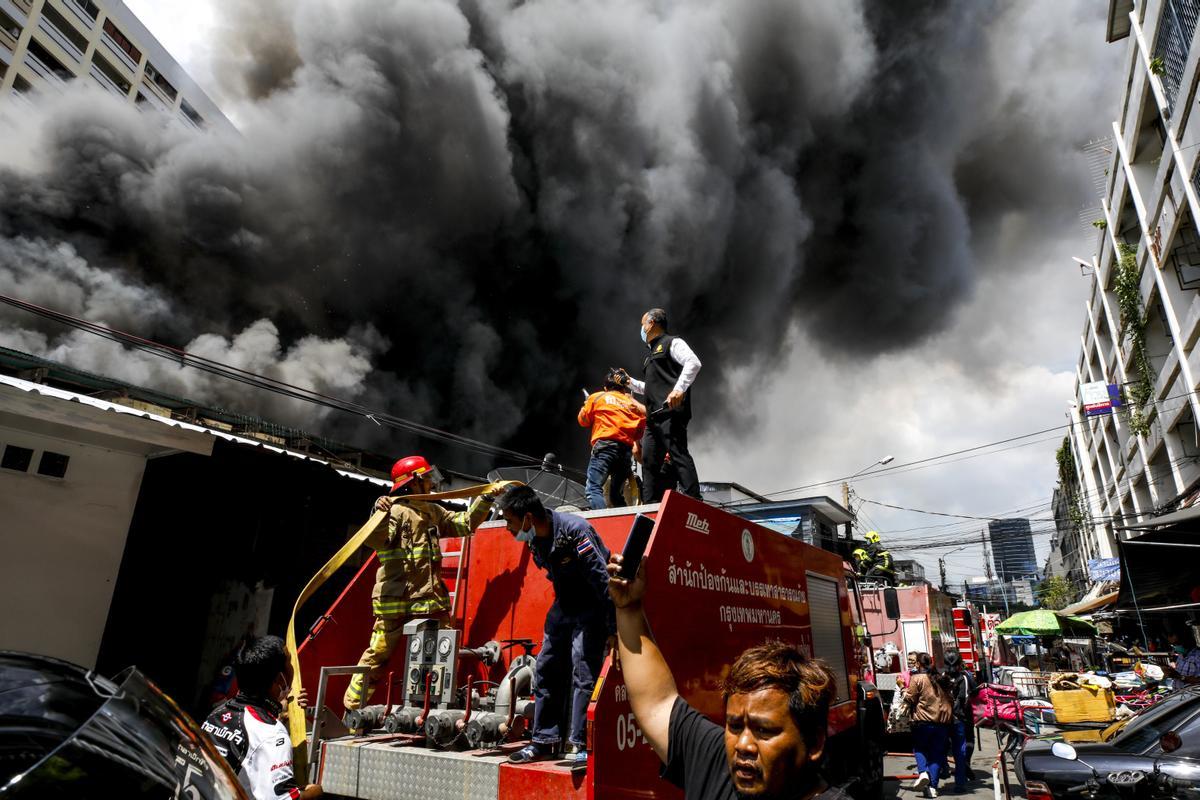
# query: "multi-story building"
x,y
1143,305
46,43
1012,549
909,571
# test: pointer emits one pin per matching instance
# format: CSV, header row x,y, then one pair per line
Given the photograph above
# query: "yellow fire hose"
x,y
296,725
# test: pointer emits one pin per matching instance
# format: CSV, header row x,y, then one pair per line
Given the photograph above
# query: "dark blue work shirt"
x,y
574,559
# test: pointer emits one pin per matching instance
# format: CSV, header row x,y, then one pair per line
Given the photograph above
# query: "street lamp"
x,y
846,485
881,462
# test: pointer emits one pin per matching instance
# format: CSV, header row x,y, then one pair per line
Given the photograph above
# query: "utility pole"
x,y
987,566
846,504
942,569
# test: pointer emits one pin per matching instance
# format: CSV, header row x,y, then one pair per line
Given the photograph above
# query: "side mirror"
x,y
891,603
1170,742
1064,751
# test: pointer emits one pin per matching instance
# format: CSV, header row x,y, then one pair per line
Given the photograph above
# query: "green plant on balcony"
x,y
1100,224
1140,386
1068,480
1158,66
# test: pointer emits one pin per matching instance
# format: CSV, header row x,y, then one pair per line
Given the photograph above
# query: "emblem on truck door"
x,y
747,545
696,523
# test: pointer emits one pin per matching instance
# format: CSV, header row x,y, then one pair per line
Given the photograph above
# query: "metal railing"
x,y
1174,41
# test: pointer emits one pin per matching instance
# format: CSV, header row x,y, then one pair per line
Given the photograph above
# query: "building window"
x,y
1185,257
53,465
115,34
158,80
16,458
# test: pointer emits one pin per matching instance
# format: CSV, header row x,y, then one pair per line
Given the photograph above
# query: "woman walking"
x,y
962,688
929,696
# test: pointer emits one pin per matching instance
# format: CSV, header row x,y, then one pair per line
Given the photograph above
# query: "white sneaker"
x,y
921,782
931,792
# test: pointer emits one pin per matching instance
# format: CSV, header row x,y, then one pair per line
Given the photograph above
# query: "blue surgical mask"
x,y
644,339
526,535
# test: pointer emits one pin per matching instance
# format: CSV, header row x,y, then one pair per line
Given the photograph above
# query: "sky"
x,y
986,351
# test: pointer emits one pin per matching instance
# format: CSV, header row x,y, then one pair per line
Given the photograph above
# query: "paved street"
x,y
981,787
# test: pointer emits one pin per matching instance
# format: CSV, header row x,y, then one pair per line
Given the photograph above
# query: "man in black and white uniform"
x,y
670,368
247,730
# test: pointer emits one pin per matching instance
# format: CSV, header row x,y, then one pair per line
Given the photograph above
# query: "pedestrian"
x,y
910,666
578,625
929,696
408,583
1186,667
248,730
962,687
669,370
776,713
618,423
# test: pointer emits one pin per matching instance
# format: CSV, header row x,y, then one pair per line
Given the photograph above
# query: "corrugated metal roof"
x,y
117,408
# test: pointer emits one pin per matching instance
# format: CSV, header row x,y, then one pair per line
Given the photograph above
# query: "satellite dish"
x,y
553,487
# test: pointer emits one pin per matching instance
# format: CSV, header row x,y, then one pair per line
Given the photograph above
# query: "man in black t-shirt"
x,y
776,712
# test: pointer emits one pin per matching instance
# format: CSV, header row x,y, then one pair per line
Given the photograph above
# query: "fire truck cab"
x,y
716,584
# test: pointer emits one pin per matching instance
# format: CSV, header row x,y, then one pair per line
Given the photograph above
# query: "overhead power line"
x,y
185,359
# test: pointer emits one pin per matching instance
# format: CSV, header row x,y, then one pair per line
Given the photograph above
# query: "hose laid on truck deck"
x,y
296,726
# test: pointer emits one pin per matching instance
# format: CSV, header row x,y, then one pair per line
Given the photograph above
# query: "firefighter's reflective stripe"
x,y
296,725
410,554
396,608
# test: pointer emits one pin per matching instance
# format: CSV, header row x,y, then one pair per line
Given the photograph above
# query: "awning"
x,y
1091,603
1160,571
1174,518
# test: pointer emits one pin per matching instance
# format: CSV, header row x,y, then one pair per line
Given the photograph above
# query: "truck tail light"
x,y
1037,790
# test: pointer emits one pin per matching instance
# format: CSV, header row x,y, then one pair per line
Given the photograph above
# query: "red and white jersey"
x,y
256,744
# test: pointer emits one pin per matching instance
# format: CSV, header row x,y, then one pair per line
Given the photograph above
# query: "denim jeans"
x,y
962,734
609,460
929,747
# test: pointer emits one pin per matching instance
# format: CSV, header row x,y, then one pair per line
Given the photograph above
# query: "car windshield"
x,y
1141,732
138,744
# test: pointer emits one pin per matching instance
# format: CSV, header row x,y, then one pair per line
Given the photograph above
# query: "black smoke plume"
x,y
459,211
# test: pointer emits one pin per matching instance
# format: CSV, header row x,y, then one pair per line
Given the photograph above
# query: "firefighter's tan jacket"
x,y
409,580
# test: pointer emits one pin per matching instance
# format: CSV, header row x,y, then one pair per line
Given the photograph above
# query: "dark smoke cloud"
x,y
459,211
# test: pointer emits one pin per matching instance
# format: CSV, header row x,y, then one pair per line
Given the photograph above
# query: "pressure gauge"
x,y
444,647
414,647
429,647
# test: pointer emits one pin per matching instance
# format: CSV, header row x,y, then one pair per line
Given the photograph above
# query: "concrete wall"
x,y
77,525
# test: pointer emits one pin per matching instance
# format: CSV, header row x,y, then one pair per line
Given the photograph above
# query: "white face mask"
x,y
526,535
644,339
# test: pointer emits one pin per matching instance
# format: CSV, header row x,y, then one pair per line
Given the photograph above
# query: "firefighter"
x,y
409,584
873,561
578,625
617,422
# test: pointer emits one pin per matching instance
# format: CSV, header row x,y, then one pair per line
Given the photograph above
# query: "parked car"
x,y
1136,743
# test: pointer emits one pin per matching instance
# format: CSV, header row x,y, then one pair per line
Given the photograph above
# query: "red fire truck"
x,y
716,584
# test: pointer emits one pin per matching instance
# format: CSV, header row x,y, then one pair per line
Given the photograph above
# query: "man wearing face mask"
x,y
670,368
247,729
578,624
408,584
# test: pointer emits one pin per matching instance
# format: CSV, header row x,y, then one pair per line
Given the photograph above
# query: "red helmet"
x,y
409,467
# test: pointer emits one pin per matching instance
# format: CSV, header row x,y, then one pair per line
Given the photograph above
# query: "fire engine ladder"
x,y
459,556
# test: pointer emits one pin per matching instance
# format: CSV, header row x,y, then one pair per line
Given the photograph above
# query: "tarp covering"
x,y
1160,570
1043,622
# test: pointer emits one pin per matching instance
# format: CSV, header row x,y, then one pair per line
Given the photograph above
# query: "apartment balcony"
x,y
118,53
39,68
1166,376
1176,27
80,13
60,38
165,103
8,46
107,82
26,6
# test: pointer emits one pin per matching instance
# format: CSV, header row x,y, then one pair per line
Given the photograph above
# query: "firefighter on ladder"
x,y
873,562
409,584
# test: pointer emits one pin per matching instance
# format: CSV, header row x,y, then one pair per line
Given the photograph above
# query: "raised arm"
x,y
652,691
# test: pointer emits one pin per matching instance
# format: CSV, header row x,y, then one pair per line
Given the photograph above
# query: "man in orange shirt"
x,y
617,422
